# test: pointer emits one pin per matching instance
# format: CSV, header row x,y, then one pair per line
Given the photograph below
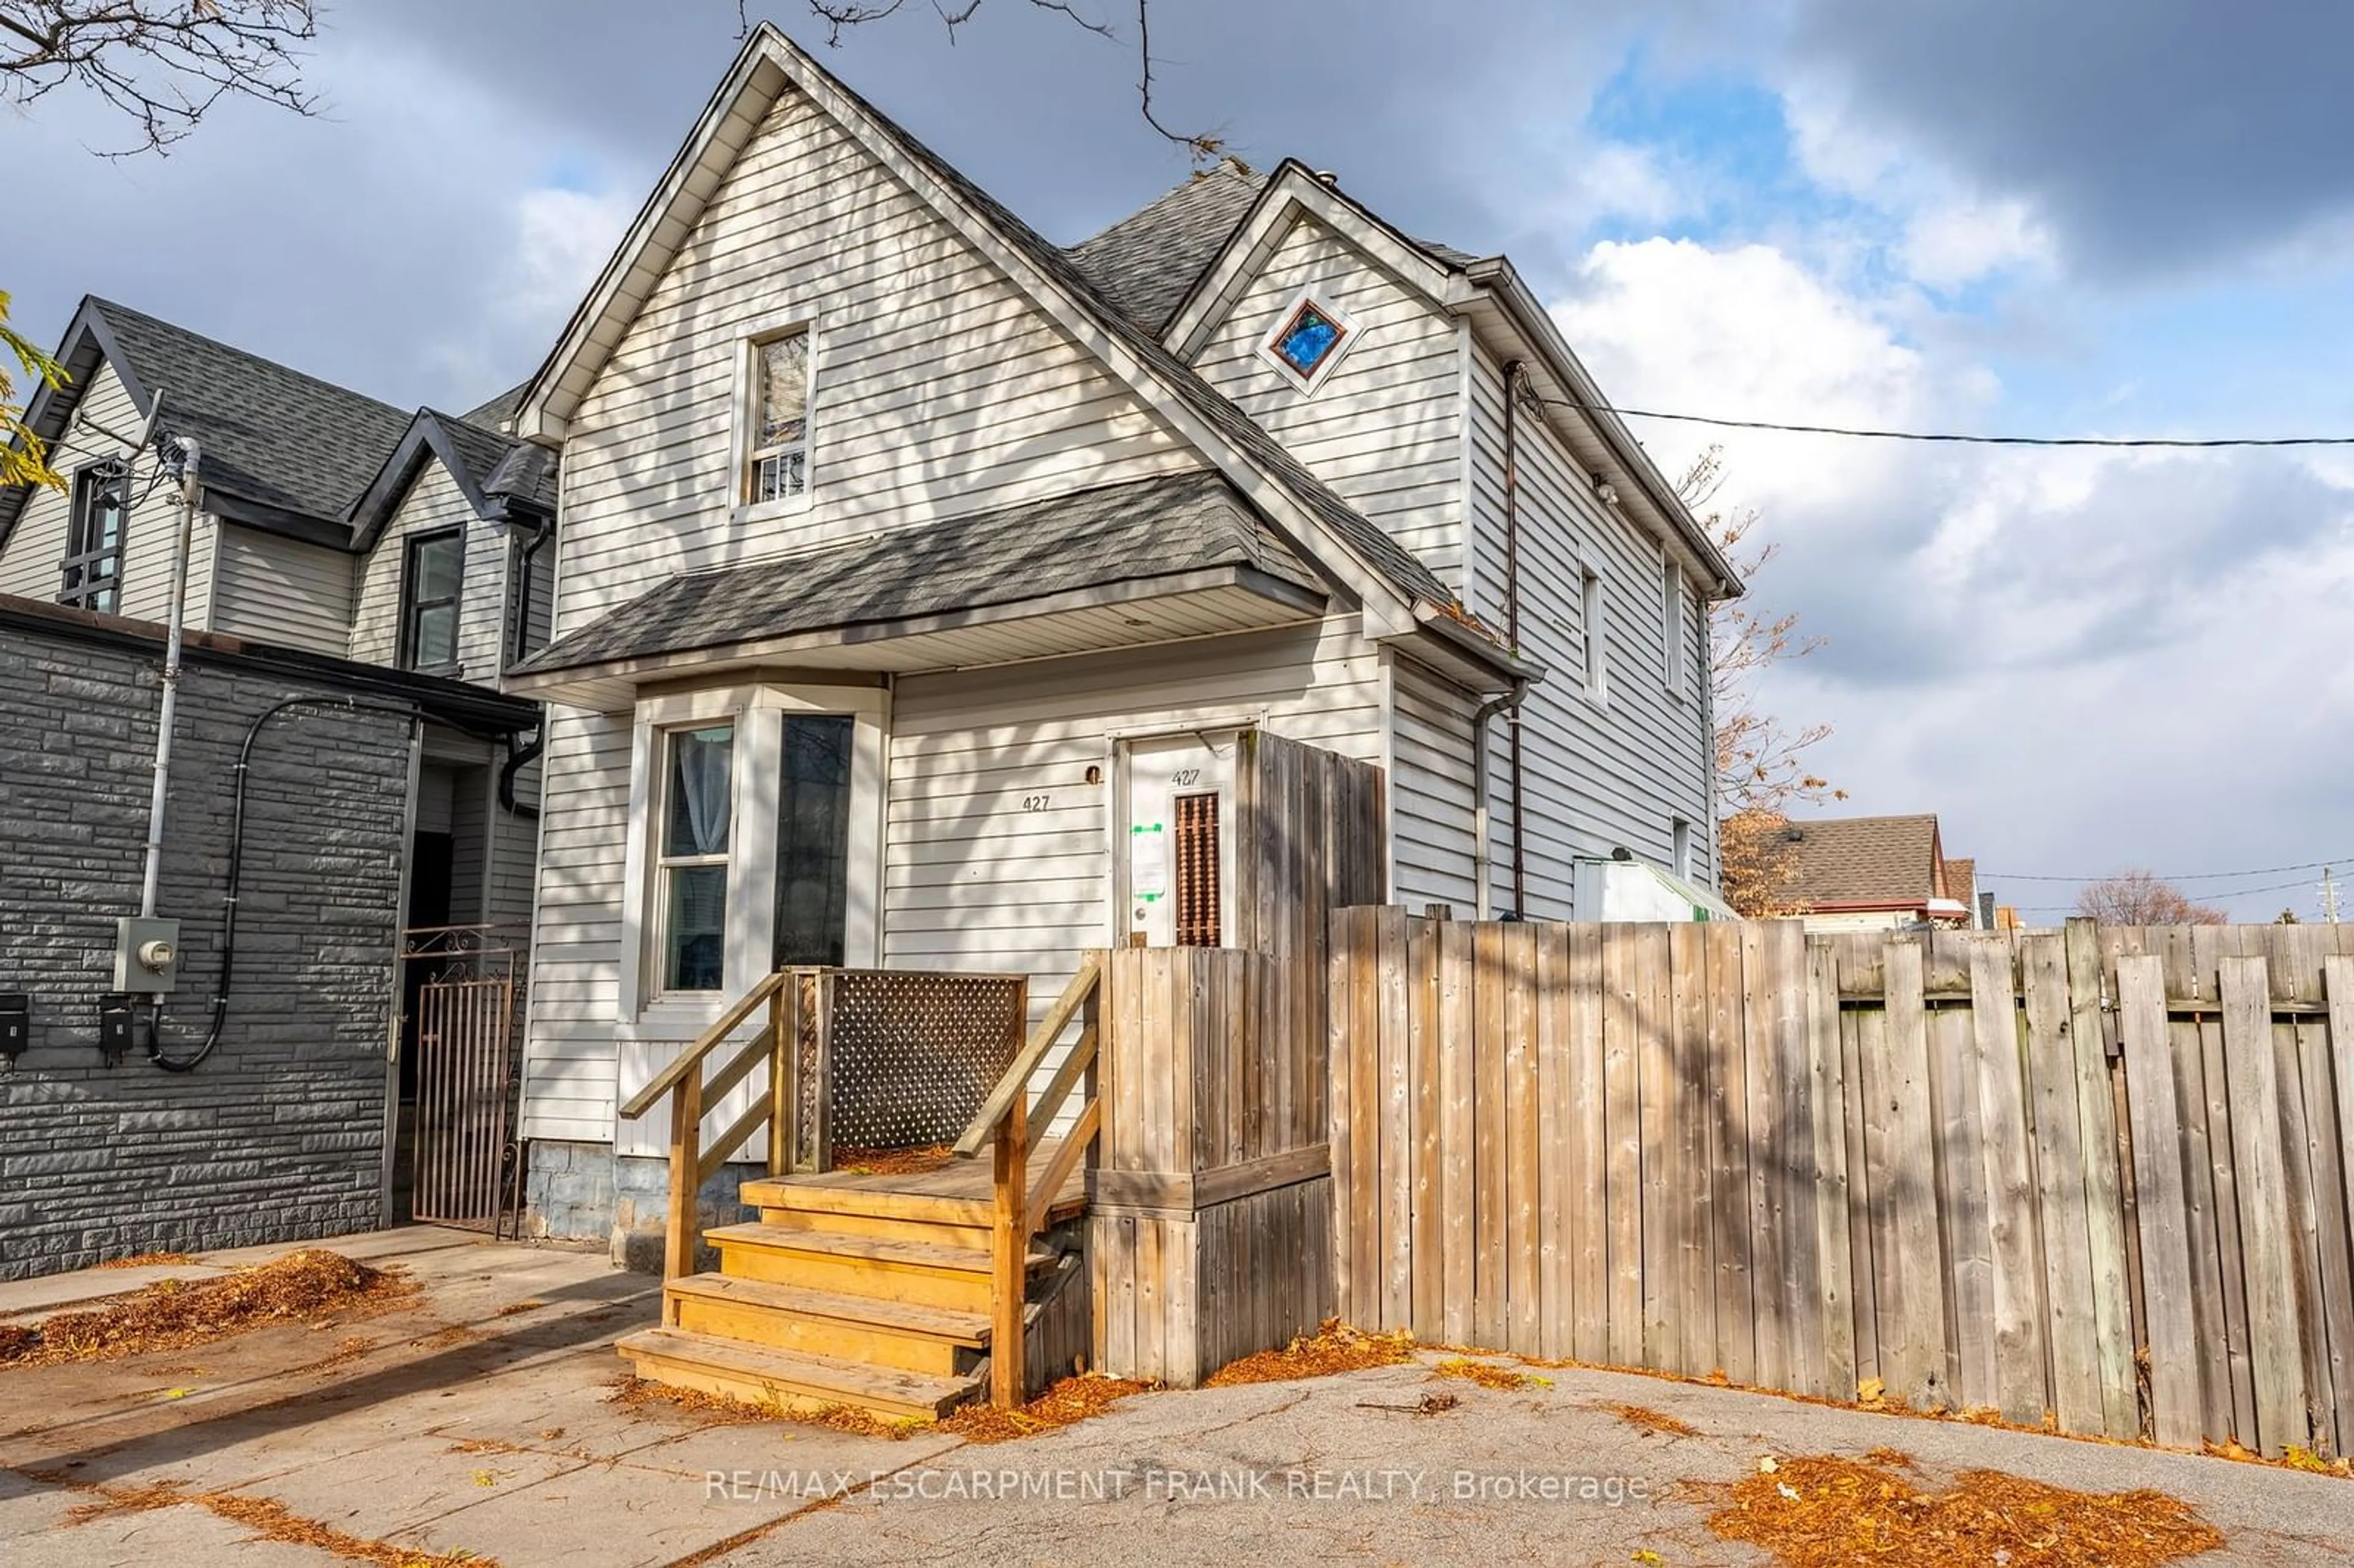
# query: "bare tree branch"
x,y
162,63
841,15
2143,898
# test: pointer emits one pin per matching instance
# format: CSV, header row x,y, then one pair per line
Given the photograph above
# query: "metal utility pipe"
x,y
1515,382
167,712
1481,860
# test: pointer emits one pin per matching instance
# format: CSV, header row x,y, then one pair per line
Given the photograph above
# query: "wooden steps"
x,y
906,1336
848,1290
803,1384
922,1273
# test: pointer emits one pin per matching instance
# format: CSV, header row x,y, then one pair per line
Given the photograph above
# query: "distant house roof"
x,y
1181,523
1849,863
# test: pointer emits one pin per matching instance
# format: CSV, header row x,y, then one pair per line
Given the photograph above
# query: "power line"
x,y
1955,439
2173,876
2218,893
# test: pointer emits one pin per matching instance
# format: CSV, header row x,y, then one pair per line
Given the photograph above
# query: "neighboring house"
x,y
1873,874
915,573
341,551
331,523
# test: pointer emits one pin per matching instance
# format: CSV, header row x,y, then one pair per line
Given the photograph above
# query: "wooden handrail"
x,y
691,1165
670,1077
1016,1077
1011,1127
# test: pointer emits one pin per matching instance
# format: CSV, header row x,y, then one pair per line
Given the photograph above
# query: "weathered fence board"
x,y
2100,1178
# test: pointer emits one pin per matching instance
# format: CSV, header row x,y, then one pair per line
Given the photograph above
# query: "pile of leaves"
x,y
269,1520
1827,1513
1487,1375
1072,1400
915,1161
1644,1419
301,1287
1333,1349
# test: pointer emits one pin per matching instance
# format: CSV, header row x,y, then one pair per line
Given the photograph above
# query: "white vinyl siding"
x,y
975,881
1596,776
1384,428
275,590
971,880
576,969
1432,793
36,545
939,389
434,503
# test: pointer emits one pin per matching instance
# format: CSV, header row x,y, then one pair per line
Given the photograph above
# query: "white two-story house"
x,y
910,567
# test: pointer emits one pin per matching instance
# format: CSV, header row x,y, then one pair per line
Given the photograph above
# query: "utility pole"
x,y
2329,896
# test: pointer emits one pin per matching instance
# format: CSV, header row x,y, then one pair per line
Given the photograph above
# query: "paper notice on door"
x,y
1148,865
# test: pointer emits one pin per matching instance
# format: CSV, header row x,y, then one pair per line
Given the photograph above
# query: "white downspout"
x,y
166,713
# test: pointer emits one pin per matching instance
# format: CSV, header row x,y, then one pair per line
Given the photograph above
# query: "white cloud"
x,y
1946,247
562,238
2081,660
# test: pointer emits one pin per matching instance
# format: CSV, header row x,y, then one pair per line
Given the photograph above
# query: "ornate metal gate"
x,y
462,1158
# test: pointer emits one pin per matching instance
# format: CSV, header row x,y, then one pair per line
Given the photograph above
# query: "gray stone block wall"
x,y
278,1136
584,1192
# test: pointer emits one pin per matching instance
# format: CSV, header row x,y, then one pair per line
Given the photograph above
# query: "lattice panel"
x,y
914,1054
1198,871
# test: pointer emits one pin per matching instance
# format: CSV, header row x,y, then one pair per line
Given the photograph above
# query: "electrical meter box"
x,y
146,955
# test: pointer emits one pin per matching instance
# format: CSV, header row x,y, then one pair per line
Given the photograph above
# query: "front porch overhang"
x,y
1130,613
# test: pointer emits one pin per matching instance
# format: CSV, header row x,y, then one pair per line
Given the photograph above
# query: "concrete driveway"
x,y
479,1423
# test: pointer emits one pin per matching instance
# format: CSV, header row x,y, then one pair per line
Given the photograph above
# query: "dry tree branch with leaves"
x,y
162,65
1761,764
2144,898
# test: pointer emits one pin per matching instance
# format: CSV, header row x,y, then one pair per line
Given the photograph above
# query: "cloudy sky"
x,y
2115,217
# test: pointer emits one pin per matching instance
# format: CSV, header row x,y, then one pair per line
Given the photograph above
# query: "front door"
x,y
1180,830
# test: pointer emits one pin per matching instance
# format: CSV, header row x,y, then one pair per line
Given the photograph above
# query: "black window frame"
x,y
412,606
78,586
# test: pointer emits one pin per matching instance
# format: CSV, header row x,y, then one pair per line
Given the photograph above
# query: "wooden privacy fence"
x,y
2097,1177
1210,1214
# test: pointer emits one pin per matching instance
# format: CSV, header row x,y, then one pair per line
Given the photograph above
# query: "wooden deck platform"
x,y
955,1192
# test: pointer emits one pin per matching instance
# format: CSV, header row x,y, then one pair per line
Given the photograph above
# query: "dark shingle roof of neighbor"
x,y
269,433
1864,860
1147,262
1181,523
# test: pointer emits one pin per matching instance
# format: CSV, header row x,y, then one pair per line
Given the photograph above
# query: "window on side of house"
x,y
1593,636
92,572
1683,849
1672,626
691,869
432,574
813,841
776,443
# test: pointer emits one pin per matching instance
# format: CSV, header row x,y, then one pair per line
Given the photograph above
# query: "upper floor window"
x,y
1673,628
1308,339
429,617
1595,637
777,448
93,563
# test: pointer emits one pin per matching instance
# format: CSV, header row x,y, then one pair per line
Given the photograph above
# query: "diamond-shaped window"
x,y
1309,338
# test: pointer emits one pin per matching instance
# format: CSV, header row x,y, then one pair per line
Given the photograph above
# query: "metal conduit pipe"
x,y
167,711
1515,383
188,1063
1481,859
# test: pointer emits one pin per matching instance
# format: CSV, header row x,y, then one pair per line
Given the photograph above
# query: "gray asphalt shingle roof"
x,y
1863,860
270,434
1148,263
1180,523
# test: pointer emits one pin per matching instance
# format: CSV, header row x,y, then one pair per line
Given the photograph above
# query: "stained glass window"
x,y
780,454
1308,339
